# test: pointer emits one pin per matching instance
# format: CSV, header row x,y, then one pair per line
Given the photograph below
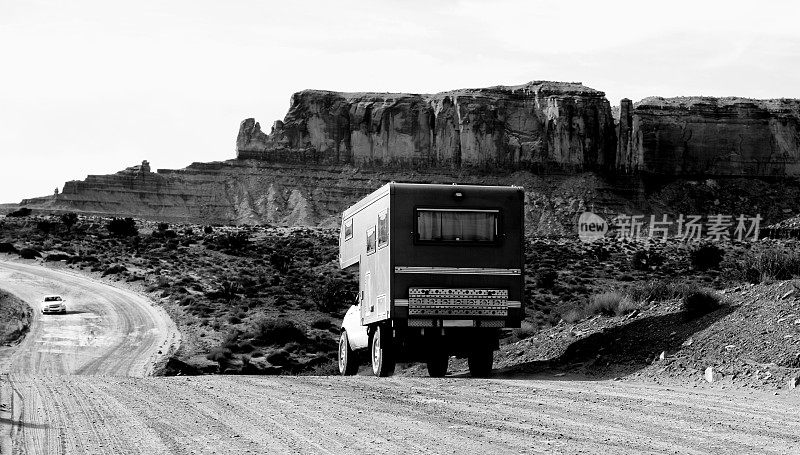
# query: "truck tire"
x,y
382,353
348,364
437,365
480,363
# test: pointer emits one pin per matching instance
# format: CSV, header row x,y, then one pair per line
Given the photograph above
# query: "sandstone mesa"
x,y
560,140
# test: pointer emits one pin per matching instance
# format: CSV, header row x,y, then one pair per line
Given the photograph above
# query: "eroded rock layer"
x,y
710,136
556,124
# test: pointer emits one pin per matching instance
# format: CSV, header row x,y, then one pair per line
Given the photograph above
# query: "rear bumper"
x,y
507,314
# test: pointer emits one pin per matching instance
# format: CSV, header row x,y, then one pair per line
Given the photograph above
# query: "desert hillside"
x,y
255,299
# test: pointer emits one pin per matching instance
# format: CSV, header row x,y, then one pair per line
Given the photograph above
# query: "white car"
x,y
54,304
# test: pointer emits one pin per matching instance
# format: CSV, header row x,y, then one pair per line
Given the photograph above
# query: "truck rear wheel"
x,y
437,365
480,363
382,353
348,364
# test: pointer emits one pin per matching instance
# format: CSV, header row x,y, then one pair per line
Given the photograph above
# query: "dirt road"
x,y
77,388
117,415
106,330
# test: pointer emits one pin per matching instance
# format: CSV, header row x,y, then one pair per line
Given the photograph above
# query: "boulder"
x,y
712,375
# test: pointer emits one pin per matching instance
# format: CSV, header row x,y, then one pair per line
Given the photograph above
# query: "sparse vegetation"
x,y
646,260
282,296
770,263
22,212
610,304
706,257
700,302
276,332
546,279
29,253
337,293
122,227
69,220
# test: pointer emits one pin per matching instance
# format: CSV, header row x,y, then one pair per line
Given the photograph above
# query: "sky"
x,y
92,87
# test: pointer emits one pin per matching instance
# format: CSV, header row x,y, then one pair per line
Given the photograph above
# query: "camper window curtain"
x,y
456,226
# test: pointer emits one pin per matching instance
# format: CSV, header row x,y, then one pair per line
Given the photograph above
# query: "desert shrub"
x,y
700,302
526,330
6,247
752,275
277,332
546,278
572,315
706,257
337,293
208,229
57,257
227,291
122,227
162,227
771,263
646,260
233,243
69,219
29,253
601,253
115,269
280,357
170,234
280,261
611,303
221,355
321,323
659,290
24,211
45,226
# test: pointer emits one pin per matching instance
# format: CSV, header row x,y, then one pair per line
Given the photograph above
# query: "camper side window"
x,y
383,228
348,229
371,240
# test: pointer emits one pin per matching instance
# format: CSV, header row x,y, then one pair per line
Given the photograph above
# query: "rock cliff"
x,y
710,136
551,124
333,148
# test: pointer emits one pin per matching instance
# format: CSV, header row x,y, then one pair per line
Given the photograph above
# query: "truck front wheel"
x,y
348,365
480,363
382,352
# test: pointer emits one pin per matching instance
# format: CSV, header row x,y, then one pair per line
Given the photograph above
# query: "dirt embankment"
x,y
15,318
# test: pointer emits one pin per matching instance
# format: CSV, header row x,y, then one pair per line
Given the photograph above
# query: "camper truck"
x,y
440,271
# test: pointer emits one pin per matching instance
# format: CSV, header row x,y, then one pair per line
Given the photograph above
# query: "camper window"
x,y
383,228
348,229
371,240
437,225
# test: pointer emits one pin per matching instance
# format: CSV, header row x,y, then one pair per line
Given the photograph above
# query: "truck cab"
x,y
441,273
